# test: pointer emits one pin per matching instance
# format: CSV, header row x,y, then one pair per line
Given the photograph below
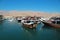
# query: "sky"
x,y
31,5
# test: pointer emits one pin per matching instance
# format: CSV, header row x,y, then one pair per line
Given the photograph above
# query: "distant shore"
x,y
30,13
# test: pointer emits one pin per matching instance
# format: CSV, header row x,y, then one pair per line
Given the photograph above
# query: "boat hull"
x,y
30,26
52,24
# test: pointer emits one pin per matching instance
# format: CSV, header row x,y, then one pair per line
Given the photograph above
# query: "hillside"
x,y
28,13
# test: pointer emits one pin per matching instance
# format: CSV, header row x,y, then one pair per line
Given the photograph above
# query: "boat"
x,y
29,24
53,22
38,21
1,18
18,19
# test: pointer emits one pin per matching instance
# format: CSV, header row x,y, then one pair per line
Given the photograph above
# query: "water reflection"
x,y
30,31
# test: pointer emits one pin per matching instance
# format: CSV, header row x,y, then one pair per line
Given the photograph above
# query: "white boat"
x,y
29,24
19,19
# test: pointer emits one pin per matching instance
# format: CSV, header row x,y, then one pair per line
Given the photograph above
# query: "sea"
x,y
13,30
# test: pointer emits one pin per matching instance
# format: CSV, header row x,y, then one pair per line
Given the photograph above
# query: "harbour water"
x,y
12,30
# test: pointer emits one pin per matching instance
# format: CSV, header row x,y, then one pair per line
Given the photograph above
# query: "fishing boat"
x,y
55,22
29,24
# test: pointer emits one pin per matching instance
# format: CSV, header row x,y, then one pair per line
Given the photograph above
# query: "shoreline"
x,y
28,13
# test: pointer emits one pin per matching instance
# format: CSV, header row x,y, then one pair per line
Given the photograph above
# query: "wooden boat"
x,y
49,23
53,22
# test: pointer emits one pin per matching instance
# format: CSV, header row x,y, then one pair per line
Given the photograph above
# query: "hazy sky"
x,y
35,5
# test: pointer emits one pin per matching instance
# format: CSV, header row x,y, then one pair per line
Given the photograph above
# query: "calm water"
x,y
15,31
